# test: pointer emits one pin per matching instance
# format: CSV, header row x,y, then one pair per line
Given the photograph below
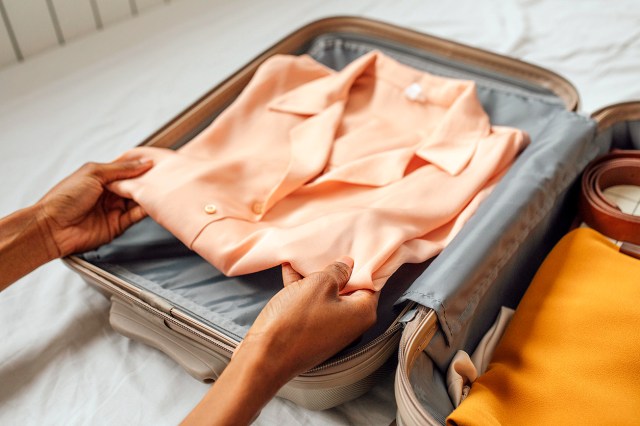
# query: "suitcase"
x,y
170,298
420,392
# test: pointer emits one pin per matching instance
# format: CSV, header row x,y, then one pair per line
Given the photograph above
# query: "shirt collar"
x,y
449,146
313,97
453,142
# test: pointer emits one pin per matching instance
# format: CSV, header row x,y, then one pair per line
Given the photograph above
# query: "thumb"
x,y
133,215
289,275
339,271
118,170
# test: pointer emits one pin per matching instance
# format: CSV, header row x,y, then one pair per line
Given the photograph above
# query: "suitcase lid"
x,y
484,259
618,127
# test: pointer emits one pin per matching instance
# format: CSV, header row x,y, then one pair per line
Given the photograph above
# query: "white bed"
x,y
60,363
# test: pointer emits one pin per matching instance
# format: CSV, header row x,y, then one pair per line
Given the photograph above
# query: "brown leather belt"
x,y
617,168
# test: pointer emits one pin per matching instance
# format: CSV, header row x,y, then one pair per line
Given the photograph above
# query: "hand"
x,y
302,325
308,321
80,213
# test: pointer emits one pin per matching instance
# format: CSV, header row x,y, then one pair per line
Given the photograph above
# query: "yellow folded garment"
x,y
571,354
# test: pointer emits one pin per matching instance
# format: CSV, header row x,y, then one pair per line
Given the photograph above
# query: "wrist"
x,y
24,245
265,357
45,230
241,391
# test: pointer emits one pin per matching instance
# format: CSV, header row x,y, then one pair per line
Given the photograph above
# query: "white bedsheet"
x,y
60,363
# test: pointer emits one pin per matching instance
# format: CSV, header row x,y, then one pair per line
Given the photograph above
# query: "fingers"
x,y
123,216
289,275
364,295
117,170
121,189
339,271
364,304
133,215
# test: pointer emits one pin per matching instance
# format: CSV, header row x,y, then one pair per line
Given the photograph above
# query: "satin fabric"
x,y
379,161
572,350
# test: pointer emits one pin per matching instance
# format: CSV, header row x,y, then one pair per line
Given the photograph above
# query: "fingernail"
x,y
145,161
346,260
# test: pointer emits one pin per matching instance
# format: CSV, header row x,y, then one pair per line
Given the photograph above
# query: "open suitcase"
x,y
168,297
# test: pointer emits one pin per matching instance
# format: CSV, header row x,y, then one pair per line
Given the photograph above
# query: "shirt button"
x,y
257,208
210,208
414,92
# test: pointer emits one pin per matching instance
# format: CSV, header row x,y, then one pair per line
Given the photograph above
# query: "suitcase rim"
x,y
611,114
202,107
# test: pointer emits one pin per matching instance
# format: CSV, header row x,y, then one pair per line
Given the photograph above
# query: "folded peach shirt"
x,y
379,161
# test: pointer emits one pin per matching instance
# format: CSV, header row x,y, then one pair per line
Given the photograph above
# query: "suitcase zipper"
x,y
416,337
393,329
92,272
150,303
360,352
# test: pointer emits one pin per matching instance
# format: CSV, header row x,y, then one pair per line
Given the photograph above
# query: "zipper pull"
x,y
408,316
156,302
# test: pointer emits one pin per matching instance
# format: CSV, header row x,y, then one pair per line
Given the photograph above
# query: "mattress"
x,y
60,363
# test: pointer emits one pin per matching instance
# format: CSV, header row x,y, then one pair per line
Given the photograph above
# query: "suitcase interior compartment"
x,y
618,128
153,260
150,265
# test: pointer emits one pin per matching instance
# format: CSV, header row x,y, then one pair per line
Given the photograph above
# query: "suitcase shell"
x,y
513,93
618,127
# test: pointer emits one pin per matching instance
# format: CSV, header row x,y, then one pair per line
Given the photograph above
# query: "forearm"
x,y
24,245
301,326
246,385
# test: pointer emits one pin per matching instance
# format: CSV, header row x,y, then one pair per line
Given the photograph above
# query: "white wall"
x,y
28,27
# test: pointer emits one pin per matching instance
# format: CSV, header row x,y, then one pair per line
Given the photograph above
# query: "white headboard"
x,y
28,27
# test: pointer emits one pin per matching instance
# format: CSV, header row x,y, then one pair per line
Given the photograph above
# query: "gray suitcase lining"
x,y
149,257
